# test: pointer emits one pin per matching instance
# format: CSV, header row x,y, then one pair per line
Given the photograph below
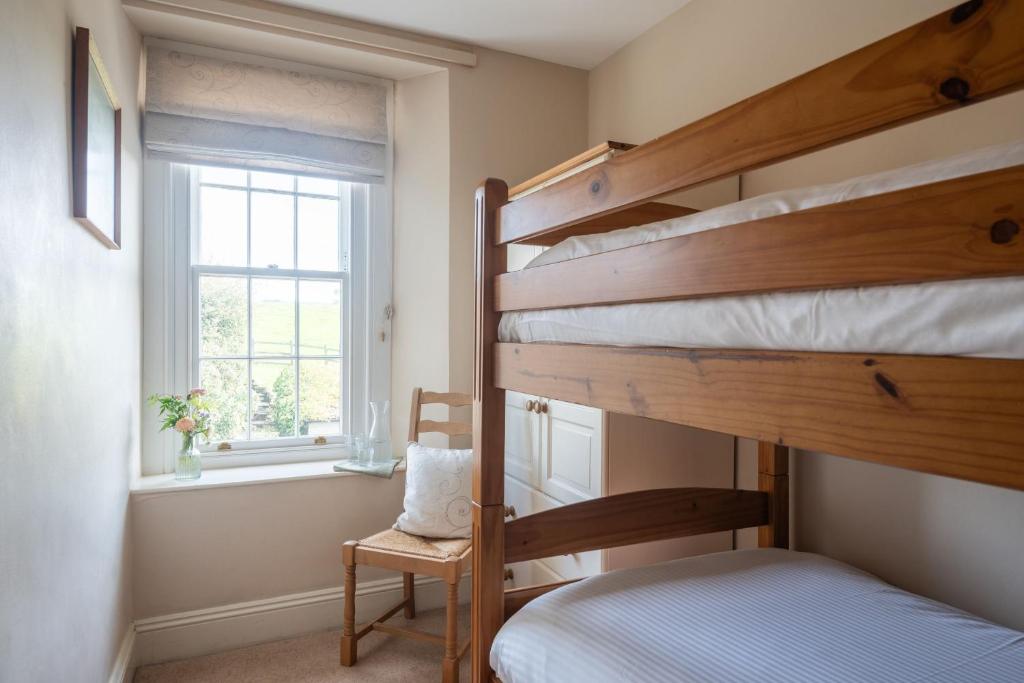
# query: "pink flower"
x,y
185,424
197,392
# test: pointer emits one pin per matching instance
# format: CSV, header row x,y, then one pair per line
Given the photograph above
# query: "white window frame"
x,y
170,340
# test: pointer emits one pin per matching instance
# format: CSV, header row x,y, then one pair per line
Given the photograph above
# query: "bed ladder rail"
x,y
964,227
635,517
517,598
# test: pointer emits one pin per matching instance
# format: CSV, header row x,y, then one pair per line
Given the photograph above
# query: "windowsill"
x,y
243,476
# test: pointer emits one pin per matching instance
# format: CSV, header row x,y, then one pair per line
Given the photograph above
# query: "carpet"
x,y
313,658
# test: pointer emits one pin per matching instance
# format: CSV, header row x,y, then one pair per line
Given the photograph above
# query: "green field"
x,y
225,333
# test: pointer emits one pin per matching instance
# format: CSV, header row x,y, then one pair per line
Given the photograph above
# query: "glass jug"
x,y
380,431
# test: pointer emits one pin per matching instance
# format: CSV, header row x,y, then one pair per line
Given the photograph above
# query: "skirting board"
x,y
124,669
216,629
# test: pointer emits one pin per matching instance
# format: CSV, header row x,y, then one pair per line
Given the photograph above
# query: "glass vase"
x,y
189,464
380,431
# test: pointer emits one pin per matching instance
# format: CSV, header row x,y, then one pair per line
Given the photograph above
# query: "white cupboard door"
x,y
572,460
522,438
527,500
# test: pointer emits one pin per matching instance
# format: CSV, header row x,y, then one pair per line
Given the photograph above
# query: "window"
x,y
269,268
276,291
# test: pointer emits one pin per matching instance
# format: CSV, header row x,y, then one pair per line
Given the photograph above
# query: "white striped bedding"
x,y
753,615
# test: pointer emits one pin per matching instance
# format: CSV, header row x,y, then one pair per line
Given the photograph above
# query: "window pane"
x,y
225,382
222,218
318,234
319,397
273,398
319,318
223,316
222,176
318,186
273,233
272,181
273,317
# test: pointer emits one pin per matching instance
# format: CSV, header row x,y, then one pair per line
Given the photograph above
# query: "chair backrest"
x,y
451,428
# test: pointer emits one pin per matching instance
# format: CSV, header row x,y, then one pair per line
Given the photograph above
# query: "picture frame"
x,y
96,144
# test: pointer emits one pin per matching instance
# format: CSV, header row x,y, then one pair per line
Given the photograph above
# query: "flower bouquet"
x,y
189,416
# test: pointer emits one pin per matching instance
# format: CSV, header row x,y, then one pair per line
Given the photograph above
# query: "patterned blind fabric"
x,y
202,109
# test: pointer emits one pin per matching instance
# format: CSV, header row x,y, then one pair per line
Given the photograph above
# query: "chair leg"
x,y
409,591
349,642
450,670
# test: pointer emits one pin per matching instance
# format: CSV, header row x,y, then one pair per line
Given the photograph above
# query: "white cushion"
x,y
438,490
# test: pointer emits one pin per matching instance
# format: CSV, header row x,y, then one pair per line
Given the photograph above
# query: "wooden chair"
x,y
446,559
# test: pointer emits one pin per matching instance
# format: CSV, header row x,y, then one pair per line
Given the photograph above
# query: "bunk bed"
x,y
935,248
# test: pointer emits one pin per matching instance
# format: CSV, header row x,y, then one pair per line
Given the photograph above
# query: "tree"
x,y
282,403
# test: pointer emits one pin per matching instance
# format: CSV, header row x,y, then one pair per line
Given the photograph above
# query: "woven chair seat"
x,y
397,541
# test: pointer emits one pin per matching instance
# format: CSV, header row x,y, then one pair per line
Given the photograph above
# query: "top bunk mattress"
x,y
981,317
749,615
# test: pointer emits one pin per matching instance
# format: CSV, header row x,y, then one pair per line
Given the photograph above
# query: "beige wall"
x,y
211,547
512,118
208,547
509,117
69,358
954,541
419,342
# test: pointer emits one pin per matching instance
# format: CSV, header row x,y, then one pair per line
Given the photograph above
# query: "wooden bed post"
x,y
488,437
773,479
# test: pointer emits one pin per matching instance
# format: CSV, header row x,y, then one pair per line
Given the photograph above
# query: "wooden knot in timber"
x,y
888,386
956,89
963,11
1003,231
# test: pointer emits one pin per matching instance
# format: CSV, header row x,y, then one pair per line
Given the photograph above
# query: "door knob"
x,y
509,575
531,406
542,407
510,511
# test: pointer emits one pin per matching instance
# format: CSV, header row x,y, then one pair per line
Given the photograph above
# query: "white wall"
x,y
69,357
954,541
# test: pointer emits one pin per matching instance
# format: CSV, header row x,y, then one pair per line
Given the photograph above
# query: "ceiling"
x,y
580,33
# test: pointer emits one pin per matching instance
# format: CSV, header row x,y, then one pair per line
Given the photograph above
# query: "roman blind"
x,y
215,110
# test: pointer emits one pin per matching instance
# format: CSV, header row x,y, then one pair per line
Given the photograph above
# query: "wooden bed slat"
x,y
569,164
958,417
964,55
517,598
640,214
634,517
959,228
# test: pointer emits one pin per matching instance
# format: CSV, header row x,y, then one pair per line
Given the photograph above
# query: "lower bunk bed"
x,y
749,615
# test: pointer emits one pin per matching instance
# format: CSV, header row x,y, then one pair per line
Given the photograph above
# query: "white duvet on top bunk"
x,y
749,615
981,317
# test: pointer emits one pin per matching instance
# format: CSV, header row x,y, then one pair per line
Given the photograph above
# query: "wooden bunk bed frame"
x,y
953,416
